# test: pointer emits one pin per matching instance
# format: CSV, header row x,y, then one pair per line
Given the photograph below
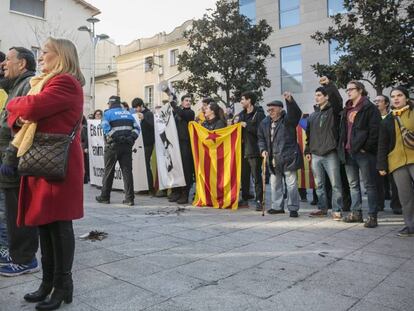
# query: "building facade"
x,y
28,23
145,64
293,22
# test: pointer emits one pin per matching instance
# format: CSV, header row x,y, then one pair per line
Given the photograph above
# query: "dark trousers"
x,y
148,153
57,245
188,165
86,176
23,241
252,166
121,153
387,190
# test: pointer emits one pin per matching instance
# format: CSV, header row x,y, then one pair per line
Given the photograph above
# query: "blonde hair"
x,y
68,58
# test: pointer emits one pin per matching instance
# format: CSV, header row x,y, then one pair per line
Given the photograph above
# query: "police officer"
x,y
120,131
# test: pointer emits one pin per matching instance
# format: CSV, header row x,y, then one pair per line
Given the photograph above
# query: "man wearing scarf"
x,y
19,67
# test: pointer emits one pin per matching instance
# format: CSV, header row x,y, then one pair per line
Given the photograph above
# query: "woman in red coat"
x,y
56,106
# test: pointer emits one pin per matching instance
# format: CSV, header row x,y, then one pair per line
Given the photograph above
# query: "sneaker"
x,y
13,269
314,202
102,200
293,214
128,202
405,232
371,222
353,217
319,213
259,206
276,211
5,258
337,216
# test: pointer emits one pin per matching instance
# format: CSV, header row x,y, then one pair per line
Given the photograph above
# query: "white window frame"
x,y
145,63
31,15
170,56
146,101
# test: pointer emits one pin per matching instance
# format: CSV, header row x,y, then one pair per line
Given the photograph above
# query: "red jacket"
x,y
56,110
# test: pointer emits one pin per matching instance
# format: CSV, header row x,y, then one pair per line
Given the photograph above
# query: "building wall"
x,y
133,79
62,19
313,17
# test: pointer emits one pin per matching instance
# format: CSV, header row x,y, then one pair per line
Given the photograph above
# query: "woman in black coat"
x,y
214,117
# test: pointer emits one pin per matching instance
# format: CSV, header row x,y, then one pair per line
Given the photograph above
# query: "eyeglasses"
x,y
270,110
351,89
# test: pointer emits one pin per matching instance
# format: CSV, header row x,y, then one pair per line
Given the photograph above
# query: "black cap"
x,y
114,100
275,103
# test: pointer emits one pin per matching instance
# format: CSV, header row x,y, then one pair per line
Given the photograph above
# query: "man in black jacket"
x,y
146,118
19,67
250,119
321,144
358,141
183,115
278,143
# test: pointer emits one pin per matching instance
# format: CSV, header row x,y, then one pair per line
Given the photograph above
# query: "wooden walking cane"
x,y
264,185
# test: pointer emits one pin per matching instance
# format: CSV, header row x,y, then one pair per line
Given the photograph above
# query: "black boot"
x,y
183,199
41,294
58,296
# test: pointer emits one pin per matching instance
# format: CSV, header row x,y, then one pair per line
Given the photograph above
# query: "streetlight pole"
x,y
94,40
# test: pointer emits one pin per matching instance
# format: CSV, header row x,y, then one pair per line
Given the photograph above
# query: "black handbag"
x,y
48,156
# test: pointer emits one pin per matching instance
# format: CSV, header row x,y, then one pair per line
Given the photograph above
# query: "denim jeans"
x,y
364,163
328,163
276,185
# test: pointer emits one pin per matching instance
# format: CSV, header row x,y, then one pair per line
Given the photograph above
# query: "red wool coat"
x,y
56,110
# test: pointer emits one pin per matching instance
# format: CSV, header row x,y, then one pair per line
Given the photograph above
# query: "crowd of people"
x,y
363,141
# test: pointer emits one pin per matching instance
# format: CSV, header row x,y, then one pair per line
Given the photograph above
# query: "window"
x,y
149,95
174,57
289,13
334,54
291,68
149,63
335,7
31,7
248,9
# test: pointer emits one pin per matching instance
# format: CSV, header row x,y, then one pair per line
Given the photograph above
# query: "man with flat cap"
x,y
278,143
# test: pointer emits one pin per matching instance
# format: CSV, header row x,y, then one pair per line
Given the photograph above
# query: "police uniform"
x,y
120,130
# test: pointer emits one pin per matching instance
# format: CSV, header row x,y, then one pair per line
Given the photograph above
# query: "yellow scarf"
x,y
398,112
24,138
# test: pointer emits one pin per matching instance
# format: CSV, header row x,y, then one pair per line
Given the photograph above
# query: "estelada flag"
x,y
217,163
305,176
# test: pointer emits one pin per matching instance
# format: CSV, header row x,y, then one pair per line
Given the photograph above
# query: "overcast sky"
x,y
127,20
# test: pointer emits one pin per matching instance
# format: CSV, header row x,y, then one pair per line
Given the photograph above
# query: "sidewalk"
x,y
159,257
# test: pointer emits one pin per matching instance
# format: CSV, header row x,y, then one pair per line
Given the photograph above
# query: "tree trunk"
x,y
379,89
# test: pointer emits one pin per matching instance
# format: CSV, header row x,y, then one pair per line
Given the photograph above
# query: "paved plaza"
x,y
161,257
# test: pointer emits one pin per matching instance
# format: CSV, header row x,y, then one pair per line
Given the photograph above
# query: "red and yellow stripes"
x,y
305,176
217,163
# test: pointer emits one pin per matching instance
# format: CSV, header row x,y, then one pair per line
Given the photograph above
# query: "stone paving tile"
x,y
307,298
365,305
130,270
197,250
194,235
255,282
346,283
98,257
90,280
167,259
169,283
169,305
11,298
120,297
395,292
380,260
217,298
392,246
284,270
12,281
240,258
208,270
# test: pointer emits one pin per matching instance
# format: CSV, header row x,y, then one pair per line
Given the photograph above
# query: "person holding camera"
x,y
120,130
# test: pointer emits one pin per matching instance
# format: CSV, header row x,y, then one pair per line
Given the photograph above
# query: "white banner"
x,y
96,160
167,148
